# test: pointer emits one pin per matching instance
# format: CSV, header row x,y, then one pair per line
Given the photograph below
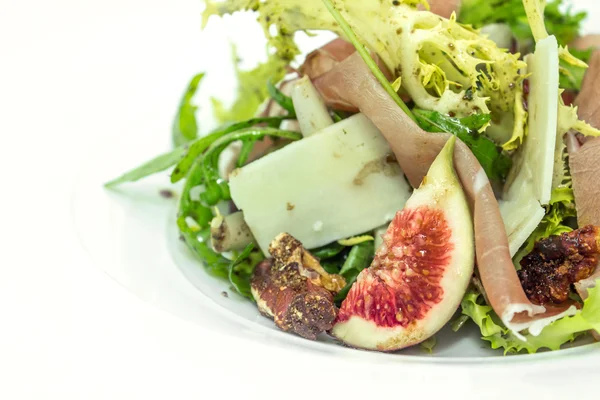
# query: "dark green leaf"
x,y
199,146
564,25
245,151
199,244
185,127
151,167
240,270
193,220
495,163
284,101
328,251
338,115
216,188
359,258
193,208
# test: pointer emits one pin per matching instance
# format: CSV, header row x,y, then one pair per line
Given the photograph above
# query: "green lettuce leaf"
x,y
553,223
571,76
564,25
428,345
252,89
185,127
553,336
241,269
447,67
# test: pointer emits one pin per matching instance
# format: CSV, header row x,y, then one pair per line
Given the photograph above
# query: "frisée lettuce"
x,y
445,66
553,336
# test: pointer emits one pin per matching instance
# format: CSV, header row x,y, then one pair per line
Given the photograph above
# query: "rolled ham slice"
x,y
444,8
324,59
586,42
351,81
584,154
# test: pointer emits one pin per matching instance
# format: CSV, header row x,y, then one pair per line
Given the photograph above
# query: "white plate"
x,y
130,233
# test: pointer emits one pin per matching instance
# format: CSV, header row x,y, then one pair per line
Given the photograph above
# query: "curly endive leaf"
x,y
445,66
553,336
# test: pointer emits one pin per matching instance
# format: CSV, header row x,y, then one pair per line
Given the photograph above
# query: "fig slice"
x,y
421,270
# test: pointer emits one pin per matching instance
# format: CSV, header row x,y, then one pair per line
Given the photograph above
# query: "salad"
x,y
436,164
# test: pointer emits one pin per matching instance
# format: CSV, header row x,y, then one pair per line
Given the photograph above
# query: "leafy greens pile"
x,y
470,89
565,25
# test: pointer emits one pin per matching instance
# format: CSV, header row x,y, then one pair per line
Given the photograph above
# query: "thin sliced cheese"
x,y
529,185
332,185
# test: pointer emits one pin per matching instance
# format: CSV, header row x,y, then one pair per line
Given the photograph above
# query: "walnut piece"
x,y
556,262
294,290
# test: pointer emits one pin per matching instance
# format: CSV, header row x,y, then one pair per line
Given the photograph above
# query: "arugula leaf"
x,y
193,220
240,270
495,163
192,210
157,164
284,101
359,258
184,156
571,76
199,146
217,189
564,25
185,127
245,151
328,251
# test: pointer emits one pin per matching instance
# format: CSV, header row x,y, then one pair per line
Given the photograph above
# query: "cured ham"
x,y
324,59
351,81
586,42
585,152
444,8
583,161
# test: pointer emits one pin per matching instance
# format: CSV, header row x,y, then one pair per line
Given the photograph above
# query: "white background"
x,y
66,329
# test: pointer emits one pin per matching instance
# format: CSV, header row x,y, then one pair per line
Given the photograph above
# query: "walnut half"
x,y
556,262
294,290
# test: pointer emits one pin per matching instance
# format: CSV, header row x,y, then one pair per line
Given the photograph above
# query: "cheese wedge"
x,y
529,185
339,182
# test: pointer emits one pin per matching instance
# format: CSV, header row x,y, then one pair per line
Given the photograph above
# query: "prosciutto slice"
x,y
586,42
350,81
444,8
324,59
584,154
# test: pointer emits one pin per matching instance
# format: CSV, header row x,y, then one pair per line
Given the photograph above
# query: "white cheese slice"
x,y
311,110
331,185
529,185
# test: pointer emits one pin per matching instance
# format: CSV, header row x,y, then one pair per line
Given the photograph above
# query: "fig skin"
x,y
420,272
